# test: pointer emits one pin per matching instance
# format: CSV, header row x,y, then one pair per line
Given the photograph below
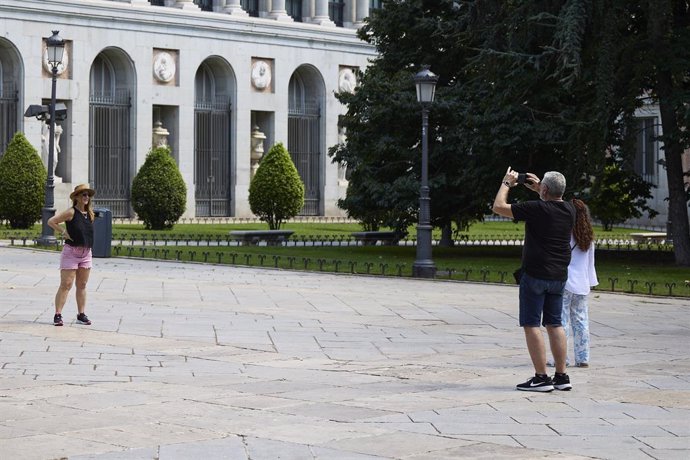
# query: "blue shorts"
x,y
541,301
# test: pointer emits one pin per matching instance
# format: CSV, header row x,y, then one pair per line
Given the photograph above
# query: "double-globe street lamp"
x,y
56,47
423,266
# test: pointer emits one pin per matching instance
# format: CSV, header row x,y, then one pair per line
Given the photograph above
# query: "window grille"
x,y
647,149
8,114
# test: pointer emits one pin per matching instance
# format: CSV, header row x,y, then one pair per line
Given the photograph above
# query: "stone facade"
x,y
169,61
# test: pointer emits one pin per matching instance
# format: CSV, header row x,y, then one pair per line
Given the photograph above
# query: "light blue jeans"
x,y
576,315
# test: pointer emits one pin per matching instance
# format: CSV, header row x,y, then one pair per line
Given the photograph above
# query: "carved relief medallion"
x,y
261,75
164,67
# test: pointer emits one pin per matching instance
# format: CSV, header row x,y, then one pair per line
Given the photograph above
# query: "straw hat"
x,y
82,188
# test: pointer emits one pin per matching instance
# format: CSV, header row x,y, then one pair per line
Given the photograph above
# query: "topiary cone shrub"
x,y
276,192
159,194
22,183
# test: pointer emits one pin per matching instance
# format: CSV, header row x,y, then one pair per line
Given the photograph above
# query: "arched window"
x,y
110,132
304,136
212,141
102,78
205,85
9,101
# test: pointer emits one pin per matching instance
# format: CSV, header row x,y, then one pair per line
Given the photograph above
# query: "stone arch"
x,y
111,130
214,162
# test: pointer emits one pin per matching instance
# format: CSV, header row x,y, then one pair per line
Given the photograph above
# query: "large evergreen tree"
x,y
537,85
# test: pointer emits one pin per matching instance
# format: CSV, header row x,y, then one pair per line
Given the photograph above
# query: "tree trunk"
x,y
660,22
446,236
677,206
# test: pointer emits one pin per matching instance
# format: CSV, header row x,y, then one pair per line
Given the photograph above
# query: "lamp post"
x,y
56,47
423,266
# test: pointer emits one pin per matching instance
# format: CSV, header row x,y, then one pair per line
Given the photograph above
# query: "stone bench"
x,y
371,238
254,237
648,237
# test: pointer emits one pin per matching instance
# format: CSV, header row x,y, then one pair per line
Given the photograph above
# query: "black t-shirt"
x,y
548,226
80,229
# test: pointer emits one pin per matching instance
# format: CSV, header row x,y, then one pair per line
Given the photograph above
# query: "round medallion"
x,y
164,67
61,67
261,74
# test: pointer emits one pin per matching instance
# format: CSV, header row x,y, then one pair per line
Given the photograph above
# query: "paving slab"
x,y
210,361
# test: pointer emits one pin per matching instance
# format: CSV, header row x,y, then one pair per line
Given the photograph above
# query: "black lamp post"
x,y
423,266
56,48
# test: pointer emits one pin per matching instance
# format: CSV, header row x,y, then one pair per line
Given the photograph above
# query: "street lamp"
x,y
423,266
56,48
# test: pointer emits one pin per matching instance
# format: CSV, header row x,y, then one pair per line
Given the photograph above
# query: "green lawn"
x,y
638,268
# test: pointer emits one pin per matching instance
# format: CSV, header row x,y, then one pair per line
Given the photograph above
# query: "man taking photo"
x,y
545,257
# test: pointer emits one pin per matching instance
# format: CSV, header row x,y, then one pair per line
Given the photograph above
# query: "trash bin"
x,y
102,232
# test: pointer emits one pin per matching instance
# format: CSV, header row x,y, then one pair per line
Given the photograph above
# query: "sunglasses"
x,y
84,194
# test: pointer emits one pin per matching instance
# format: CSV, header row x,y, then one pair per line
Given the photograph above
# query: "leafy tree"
x,y
537,85
662,33
159,194
22,183
276,192
383,122
618,195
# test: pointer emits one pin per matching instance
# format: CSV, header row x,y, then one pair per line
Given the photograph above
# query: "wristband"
x,y
506,183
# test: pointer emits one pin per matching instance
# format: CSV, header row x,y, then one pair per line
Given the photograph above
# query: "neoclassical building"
x,y
219,81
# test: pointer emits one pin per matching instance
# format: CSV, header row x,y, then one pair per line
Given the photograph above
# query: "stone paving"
x,y
188,361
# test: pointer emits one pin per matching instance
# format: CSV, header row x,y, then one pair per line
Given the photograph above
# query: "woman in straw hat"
x,y
75,260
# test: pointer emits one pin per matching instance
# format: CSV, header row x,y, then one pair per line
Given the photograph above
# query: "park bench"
x,y
371,238
648,237
254,237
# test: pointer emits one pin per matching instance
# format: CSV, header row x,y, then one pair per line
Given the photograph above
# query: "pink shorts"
x,y
74,257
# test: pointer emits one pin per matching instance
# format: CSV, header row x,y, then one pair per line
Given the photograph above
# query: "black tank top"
x,y
80,228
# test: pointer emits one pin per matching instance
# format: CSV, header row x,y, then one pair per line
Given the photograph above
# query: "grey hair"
x,y
555,182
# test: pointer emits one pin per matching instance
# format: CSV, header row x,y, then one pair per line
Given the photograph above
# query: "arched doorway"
x,y
10,111
306,94
213,86
110,131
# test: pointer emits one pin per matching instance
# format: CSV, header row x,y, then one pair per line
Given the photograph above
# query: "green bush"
x,y
159,194
617,195
22,183
276,192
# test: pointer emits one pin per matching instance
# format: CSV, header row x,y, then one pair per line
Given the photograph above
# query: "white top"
x,y
581,271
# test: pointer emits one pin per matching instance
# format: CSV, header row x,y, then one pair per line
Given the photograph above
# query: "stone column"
x,y
186,5
362,12
321,14
234,8
278,11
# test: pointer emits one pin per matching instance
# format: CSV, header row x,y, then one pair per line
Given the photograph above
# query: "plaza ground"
x,y
221,362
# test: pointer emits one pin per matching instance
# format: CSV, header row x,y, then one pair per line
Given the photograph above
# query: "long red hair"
x,y
583,231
